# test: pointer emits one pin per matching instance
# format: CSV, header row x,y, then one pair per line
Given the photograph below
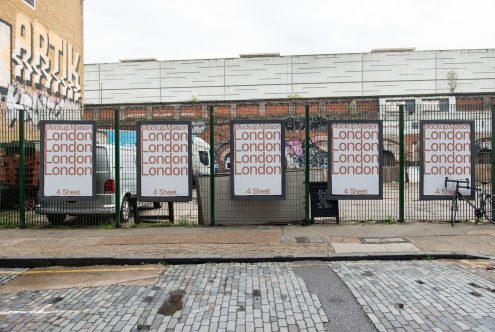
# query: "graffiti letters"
x,y
296,123
43,59
198,127
38,106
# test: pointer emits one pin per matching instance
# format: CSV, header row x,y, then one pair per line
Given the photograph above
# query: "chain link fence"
x,y
306,138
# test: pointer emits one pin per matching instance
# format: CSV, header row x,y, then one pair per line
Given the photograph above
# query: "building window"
x,y
436,105
485,156
388,158
30,2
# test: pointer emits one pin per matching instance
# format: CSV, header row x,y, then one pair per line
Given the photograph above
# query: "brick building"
x,y
41,61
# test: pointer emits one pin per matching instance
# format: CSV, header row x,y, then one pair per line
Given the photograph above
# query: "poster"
x,y
355,159
447,150
68,151
258,159
164,158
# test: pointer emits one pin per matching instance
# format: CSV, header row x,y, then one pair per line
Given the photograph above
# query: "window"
x,y
436,105
388,158
226,161
410,106
204,158
485,156
30,2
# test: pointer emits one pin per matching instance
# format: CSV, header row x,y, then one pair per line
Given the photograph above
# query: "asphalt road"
x,y
340,306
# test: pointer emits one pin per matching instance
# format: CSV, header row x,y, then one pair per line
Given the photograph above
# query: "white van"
x,y
201,156
104,203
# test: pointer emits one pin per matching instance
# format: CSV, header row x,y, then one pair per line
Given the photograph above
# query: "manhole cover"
x,y
302,239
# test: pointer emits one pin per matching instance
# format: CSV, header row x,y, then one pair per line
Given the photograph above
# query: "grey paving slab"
x,y
420,295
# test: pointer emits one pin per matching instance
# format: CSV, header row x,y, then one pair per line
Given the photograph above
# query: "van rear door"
x,y
103,171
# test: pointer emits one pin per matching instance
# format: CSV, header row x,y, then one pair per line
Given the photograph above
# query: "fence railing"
x,y
306,155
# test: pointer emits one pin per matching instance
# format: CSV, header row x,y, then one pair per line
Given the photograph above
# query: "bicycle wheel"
x,y
488,209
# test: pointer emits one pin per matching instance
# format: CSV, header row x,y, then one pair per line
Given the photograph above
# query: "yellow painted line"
x,y
81,271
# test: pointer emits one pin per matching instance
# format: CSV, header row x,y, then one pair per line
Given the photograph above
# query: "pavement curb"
x,y
32,262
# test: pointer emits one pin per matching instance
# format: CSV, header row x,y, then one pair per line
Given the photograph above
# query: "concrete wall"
x,y
235,212
307,76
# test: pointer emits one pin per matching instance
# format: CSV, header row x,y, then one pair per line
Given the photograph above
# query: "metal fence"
x,y
306,140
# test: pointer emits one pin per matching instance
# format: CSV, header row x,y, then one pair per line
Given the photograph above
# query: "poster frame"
x,y
232,161
422,196
41,194
138,162
380,161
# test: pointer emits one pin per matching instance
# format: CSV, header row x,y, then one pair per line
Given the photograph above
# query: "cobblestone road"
x,y
420,295
395,295
210,297
8,274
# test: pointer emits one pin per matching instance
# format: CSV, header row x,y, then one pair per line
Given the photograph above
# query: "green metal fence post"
x,y
212,166
401,164
306,165
493,153
117,166
22,174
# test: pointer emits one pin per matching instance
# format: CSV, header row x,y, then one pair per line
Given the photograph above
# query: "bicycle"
x,y
486,204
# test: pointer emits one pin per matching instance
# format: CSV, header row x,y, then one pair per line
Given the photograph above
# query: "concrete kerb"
x,y
33,262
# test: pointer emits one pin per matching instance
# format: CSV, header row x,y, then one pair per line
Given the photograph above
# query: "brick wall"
x,y
469,103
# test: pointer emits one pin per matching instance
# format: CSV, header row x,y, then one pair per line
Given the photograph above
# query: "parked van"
x,y
104,203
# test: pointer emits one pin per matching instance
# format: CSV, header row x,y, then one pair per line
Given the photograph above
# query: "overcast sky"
x,y
195,29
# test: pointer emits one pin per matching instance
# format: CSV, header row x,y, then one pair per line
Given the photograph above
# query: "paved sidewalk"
x,y
249,241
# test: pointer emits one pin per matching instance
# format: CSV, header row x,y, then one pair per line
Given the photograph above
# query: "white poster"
x,y
164,172
446,153
257,165
68,160
355,159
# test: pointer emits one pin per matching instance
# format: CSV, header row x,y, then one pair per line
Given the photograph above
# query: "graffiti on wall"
x,y
198,127
38,105
5,49
45,60
44,78
295,154
296,123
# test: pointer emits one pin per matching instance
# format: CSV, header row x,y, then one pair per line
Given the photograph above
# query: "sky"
x,y
199,29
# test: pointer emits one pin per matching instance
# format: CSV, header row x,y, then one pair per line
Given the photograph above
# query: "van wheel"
x,y
157,205
56,219
125,210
